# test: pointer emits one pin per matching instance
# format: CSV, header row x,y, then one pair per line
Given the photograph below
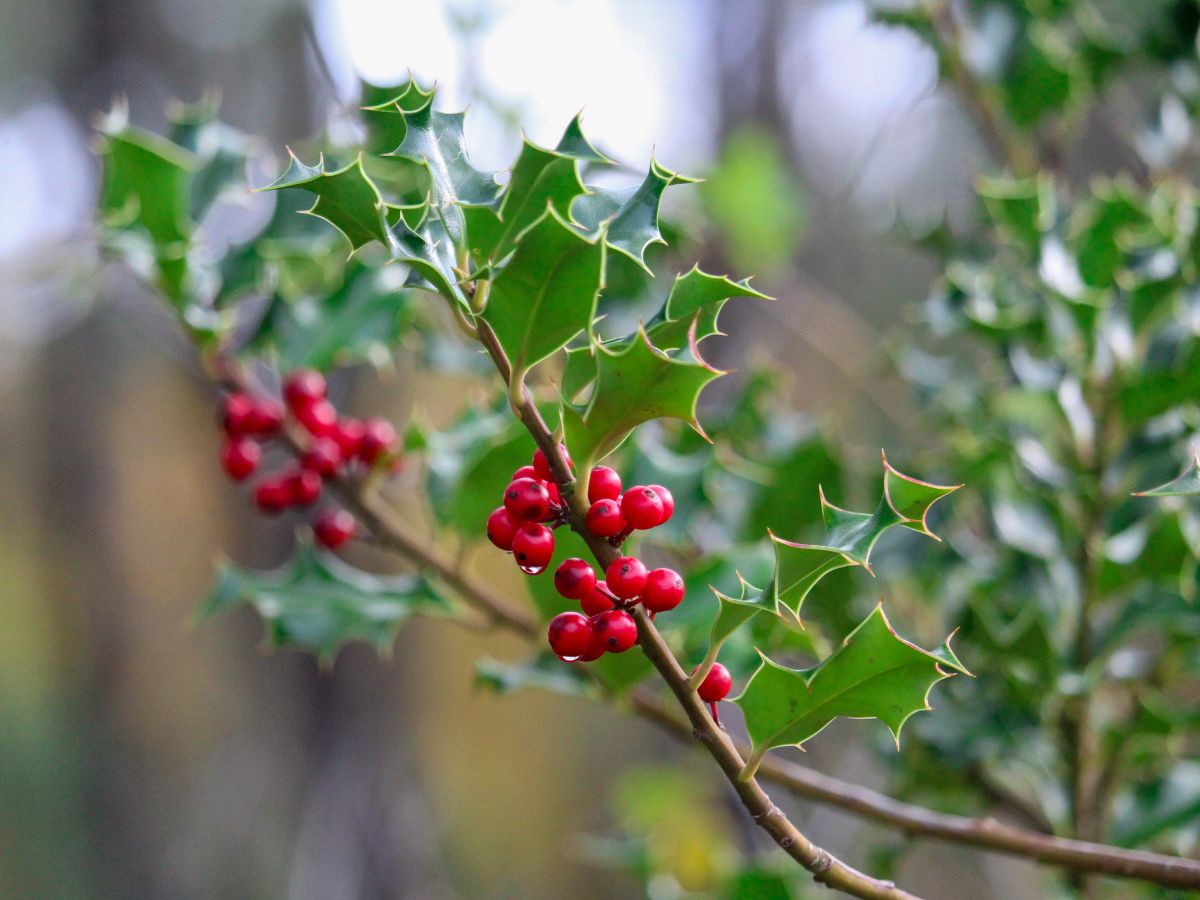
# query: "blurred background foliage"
x,y
1051,368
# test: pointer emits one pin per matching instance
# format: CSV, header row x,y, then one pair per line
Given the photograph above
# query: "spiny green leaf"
x,y
385,121
346,198
547,292
318,603
436,141
875,674
631,213
1186,485
850,536
574,144
221,153
146,190
632,386
697,297
427,249
734,612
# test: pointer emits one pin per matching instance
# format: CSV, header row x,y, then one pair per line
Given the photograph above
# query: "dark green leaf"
x,y
346,198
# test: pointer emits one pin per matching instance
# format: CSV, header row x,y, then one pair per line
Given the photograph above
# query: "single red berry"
x,y
273,495
574,578
641,507
333,527
533,547
305,486
527,500
542,465
239,458
616,630
318,417
266,418
323,456
526,472
237,414
716,684
626,577
596,600
303,388
604,518
379,437
570,635
668,501
603,484
501,527
349,435
663,591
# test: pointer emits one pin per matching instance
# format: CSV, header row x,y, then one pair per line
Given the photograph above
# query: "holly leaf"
x,y
631,213
317,602
874,674
145,188
346,198
574,144
546,294
426,248
697,297
544,671
633,385
435,140
734,612
851,536
384,121
1186,485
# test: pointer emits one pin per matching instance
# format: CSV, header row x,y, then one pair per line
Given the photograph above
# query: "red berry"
x,y
318,417
542,465
603,484
668,501
641,507
616,630
237,414
266,418
333,527
596,600
305,486
273,495
574,578
604,518
239,458
663,591
570,635
323,456
526,472
716,684
303,388
379,437
527,500
533,546
552,490
626,577
349,435
501,527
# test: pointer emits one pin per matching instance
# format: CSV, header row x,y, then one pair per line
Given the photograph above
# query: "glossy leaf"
x,y
630,213
346,198
637,384
1186,485
318,602
851,536
696,297
874,674
546,294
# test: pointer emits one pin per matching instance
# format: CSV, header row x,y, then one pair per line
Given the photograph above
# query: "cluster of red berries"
x,y
332,446
525,525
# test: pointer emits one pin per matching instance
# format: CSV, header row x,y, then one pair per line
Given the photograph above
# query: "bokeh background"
x,y
142,756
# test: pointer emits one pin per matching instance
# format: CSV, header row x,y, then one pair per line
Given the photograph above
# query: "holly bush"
x,y
706,552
